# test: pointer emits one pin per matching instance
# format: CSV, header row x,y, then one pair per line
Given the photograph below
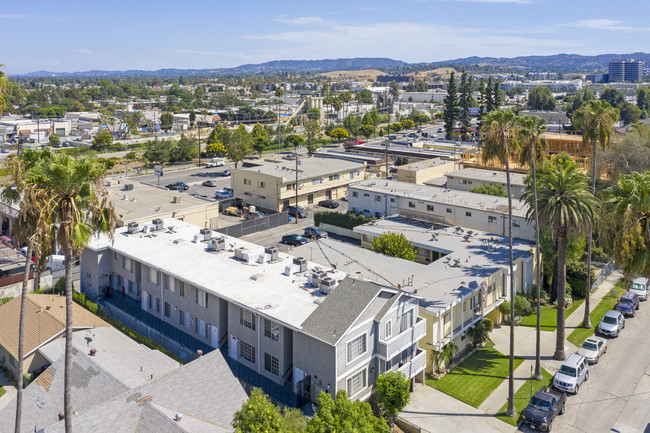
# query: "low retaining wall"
x,y
340,231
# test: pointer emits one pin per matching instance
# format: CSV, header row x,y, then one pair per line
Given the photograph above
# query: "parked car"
x,y
413,135
627,304
295,240
302,212
344,198
223,173
440,130
593,348
5,150
315,232
178,186
215,163
419,131
640,287
224,193
572,373
332,204
358,142
392,137
211,183
543,407
612,323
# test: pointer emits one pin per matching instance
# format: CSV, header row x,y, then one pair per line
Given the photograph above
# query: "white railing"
x,y
403,340
415,365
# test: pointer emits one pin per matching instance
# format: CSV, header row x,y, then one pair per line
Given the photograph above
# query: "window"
x,y
247,351
271,364
248,194
355,194
430,207
406,321
153,275
271,330
201,327
392,200
117,256
332,177
366,195
247,319
491,288
290,186
468,214
120,281
516,224
377,214
168,310
356,383
366,211
449,210
247,181
351,175
378,198
154,303
462,181
263,197
127,263
183,289
168,282
388,331
261,184
411,204
202,298
446,319
183,318
492,219
356,347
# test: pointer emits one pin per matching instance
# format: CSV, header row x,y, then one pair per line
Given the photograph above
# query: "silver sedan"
x,y
593,348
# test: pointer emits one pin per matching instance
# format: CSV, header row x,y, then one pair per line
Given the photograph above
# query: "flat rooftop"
x,y
427,163
257,284
147,201
516,179
308,168
471,256
434,194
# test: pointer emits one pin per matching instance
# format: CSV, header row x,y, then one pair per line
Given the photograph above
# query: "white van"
x,y
55,263
640,287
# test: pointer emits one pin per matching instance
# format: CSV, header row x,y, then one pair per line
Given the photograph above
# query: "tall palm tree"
x,y
596,121
499,141
566,208
533,149
76,207
24,227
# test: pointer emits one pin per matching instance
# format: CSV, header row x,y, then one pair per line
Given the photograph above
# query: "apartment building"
x,y
273,183
421,171
468,178
381,198
260,307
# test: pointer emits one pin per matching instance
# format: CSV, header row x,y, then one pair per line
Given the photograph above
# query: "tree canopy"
x,y
395,245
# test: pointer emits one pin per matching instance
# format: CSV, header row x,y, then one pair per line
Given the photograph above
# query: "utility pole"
x,y
199,127
294,151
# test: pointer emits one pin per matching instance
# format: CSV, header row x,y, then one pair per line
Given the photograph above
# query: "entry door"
x,y
214,336
310,199
328,194
145,300
232,347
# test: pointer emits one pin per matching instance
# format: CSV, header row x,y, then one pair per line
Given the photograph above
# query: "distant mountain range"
x,y
556,62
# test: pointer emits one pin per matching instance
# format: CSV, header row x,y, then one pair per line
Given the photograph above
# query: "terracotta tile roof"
x,y
44,319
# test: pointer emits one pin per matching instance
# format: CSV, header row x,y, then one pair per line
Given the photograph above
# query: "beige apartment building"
x,y
274,183
421,171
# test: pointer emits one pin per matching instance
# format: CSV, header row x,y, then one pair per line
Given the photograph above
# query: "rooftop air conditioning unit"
x,y
177,199
315,277
300,261
158,224
216,244
239,253
327,284
291,269
206,234
133,227
128,187
273,252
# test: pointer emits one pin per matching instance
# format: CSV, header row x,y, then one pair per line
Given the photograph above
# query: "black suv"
x,y
302,212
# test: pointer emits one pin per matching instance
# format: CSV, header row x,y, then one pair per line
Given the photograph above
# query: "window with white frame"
x,y
468,214
168,310
201,327
202,298
168,282
446,319
184,318
271,364
406,321
127,263
515,223
355,194
492,219
246,351
356,347
154,303
430,207
184,289
356,383
247,181
261,184
247,319
378,198
153,275
271,330
388,329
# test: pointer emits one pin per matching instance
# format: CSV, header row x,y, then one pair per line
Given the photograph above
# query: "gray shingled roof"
x,y
340,310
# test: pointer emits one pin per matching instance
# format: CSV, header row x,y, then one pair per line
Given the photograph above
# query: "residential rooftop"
x,y
427,163
480,175
253,282
464,199
315,166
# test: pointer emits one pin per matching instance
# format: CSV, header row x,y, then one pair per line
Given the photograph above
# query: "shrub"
x,y
576,277
504,308
522,306
347,220
5,300
27,379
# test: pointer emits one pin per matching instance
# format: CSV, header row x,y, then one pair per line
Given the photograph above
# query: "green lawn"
x,y
522,396
475,378
548,316
607,303
2,391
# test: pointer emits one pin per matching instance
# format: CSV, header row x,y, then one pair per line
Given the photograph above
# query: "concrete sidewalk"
x,y
11,391
525,341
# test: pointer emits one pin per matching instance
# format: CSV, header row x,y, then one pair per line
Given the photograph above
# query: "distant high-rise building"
x,y
625,70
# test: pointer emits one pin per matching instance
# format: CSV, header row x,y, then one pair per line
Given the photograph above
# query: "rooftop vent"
x,y
178,417
205,234
301,262
128,187
93,352
158,224
327,284
216,244
273,252
133,227
177,199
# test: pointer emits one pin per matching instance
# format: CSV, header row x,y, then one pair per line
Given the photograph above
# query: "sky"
x,y
72,36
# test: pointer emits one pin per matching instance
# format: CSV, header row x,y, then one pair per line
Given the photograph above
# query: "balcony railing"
x,y
401,341
415,365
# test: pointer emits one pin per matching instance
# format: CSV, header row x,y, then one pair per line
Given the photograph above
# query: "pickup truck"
x,y
545,405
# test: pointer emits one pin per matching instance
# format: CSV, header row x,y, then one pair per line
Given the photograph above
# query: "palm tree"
x,y
596,120
533,149
499,140
566,208
447,353
76,207
24,225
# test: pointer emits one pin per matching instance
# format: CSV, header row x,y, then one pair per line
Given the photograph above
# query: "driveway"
x,y
436,412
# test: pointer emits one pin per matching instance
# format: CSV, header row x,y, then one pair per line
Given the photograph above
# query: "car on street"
x,y
302,212
315,232
211,183
224,193
5,150
178,186
295,240
332,204
593,348
612,323
640,287
572,373
224,173
392,137
440,130
214,163
358,142
627,304
543,407
413,135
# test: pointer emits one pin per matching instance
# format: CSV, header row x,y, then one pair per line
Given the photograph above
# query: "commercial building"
x,y
625,70
554,85
264,309
468,178
382,198
271,183
421,171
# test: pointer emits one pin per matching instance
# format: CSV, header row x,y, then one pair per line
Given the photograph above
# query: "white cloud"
x,y
83,51
607,24
301,21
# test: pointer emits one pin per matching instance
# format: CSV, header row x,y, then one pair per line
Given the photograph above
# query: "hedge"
x,y
347,220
